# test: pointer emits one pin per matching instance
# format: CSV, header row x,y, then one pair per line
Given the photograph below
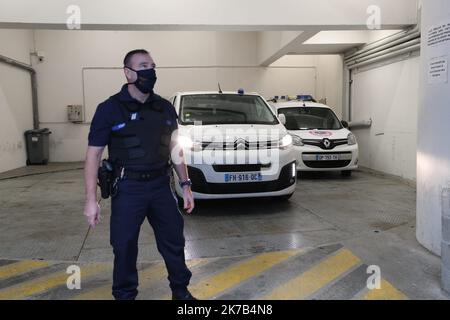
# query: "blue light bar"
x,y
305,97
241,91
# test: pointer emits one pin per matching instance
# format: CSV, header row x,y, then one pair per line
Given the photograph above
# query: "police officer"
x,y
139,128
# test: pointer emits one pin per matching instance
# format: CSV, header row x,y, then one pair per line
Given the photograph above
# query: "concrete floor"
x,y
316,246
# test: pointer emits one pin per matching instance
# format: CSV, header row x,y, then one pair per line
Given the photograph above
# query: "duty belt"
x,y
142,175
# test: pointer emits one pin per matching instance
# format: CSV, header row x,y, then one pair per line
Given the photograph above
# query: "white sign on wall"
x,y
438,39
438,70
439,35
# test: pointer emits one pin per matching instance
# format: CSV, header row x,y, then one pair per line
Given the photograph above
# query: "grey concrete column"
x,y
433,146
445,250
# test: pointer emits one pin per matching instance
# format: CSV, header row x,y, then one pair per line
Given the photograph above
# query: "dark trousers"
x,y
135,201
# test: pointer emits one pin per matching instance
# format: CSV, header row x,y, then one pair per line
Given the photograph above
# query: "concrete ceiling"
x,y
335,48
337,42
272,46
282,26
235,15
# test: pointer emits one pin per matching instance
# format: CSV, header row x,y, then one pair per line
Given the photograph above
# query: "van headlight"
x,y
286,142
297,141
187,143
351,139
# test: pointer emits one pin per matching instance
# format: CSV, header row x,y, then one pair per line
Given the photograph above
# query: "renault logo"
x,y
327,143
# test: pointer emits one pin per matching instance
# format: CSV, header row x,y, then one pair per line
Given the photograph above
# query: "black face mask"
x,y
146,80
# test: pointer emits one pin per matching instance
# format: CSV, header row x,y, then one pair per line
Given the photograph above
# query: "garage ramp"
x,y
329,272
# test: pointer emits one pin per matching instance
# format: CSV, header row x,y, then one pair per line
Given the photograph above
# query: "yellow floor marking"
x,y
315,278
100,293
387,292
21,267
237,273
195,263
147,277
149,274
35,286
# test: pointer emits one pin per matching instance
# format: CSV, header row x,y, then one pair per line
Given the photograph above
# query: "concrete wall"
x,y
272,42
61,80
389,95
15,98
84,66
433,152
329,83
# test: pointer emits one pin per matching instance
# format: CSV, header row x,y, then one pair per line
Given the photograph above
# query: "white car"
x,y
234,146
321,141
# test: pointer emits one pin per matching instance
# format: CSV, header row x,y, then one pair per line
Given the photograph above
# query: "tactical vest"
x,y
143,138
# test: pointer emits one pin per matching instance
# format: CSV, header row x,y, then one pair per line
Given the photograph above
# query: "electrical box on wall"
x,y
75,113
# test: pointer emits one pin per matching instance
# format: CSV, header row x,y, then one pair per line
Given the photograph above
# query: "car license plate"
x,y
243,177
327,157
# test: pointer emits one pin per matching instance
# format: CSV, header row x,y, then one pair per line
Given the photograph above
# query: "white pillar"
x,y
433,150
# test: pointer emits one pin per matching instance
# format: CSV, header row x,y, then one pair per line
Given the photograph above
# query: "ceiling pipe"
x,y
385,41
392,54
415,35
34,94
384,52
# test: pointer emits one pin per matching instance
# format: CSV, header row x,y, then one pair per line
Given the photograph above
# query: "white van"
x,y
321,141
234,145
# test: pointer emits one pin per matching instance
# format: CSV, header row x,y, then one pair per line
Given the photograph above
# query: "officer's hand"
x,y
92,212
188,199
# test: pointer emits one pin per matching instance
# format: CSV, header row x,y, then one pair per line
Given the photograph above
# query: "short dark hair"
x,y
129,55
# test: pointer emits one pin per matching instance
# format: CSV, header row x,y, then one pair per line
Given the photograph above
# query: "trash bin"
x,y
37,146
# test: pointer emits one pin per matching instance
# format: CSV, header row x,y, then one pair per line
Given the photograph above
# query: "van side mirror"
x,y
282,119
345,124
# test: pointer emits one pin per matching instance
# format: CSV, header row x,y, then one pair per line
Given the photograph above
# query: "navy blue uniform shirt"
x,y
108,115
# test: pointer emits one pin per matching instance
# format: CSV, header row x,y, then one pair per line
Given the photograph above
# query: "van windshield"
x,y
225,109
307,118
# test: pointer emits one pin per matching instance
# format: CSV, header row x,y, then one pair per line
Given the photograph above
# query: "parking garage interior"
x,y
381,66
